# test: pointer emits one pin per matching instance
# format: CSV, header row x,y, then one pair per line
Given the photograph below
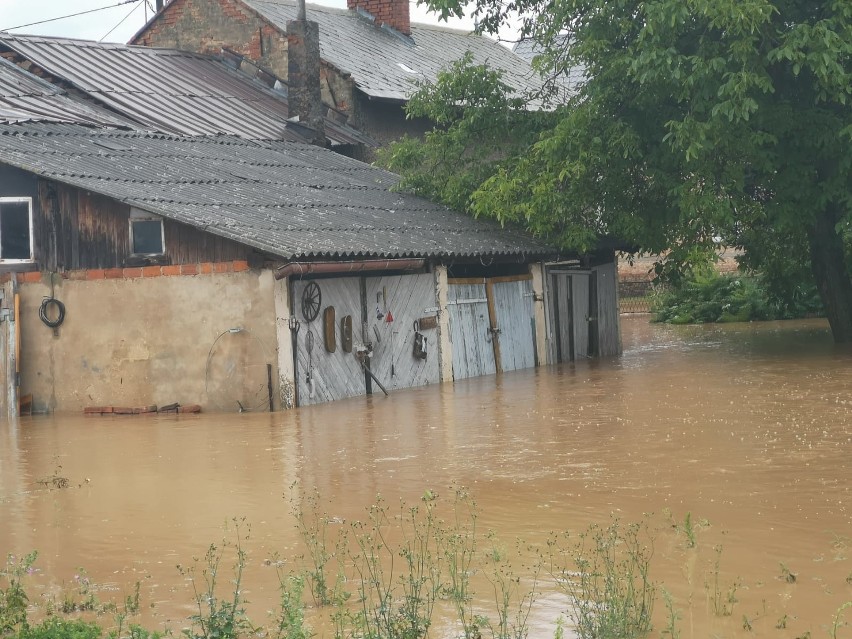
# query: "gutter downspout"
x,y
308,268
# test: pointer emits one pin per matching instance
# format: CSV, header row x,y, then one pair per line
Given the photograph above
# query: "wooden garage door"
x,y
406,298
491,325
513,310
323,376
473,354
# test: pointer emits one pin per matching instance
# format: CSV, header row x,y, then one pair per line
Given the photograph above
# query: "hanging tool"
x,y
346,334
309,378
419,350
360,358
389,319
295,325
329,329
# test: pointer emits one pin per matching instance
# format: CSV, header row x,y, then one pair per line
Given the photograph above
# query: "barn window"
x,y
146,234
16,229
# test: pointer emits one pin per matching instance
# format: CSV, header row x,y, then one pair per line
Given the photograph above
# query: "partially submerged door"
x,y
514,322
492,325
394,304
323,375
352,316
470,328
570,303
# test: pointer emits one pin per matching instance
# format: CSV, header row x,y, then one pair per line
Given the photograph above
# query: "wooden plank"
x,y
494,326
510,278
466,280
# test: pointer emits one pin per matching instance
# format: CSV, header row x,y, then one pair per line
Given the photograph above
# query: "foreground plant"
x,y
219,617
611,593
13,597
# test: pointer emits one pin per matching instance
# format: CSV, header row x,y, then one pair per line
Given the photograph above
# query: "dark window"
x,y
15,231
147,237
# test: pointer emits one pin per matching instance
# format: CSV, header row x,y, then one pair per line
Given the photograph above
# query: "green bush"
x,y
706,296
13,598
58,628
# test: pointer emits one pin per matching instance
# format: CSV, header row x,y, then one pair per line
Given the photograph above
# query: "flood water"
x,y
746,428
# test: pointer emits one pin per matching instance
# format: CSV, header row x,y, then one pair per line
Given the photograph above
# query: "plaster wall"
x,y
151,340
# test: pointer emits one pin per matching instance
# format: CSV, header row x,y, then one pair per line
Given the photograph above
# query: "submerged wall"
x,y
133,341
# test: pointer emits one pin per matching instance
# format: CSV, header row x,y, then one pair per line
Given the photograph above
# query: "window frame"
x,y
18,200
137,215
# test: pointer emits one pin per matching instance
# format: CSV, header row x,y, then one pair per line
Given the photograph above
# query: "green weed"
x,y
58,628
721,600
839,622
218,617
611,594
672,617
290,620
13,597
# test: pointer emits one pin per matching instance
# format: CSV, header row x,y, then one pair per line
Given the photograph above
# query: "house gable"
x,y
364,62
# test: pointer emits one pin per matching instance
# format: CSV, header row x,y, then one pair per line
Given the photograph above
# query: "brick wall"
x,y
394,13
203,268
206,26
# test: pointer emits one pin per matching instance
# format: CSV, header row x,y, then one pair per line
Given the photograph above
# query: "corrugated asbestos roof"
x,y
286,199
169,90
24,97
383,63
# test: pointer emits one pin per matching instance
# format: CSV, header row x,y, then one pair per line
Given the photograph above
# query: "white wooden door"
x,y
322,376
405,298
513,314
470,334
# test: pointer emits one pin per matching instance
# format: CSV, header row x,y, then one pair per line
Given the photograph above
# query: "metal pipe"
x,y
307,268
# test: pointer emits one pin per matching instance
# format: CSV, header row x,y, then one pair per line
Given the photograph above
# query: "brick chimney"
x,y
303,75
393,13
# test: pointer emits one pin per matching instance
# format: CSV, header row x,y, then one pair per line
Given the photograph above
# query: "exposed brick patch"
x,y
240,265
188,269
172,269
30,276
131,272
221,267
113,273
151,271
95,274
205,268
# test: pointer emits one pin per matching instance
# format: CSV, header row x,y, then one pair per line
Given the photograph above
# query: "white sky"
x,y
132,16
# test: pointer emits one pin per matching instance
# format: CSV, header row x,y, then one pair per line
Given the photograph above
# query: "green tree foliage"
x,y
479,124
698,120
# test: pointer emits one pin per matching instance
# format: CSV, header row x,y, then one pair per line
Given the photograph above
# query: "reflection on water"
x,y
745,427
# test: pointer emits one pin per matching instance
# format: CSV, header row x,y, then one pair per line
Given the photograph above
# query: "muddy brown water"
x,y
748,428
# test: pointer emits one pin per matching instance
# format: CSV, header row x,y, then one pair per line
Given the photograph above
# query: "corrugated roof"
x,y
25,97
170,90
287,199
383,63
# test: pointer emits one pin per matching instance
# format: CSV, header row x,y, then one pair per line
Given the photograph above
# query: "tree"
x,y
699,122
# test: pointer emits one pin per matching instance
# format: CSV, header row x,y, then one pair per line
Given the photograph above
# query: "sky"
x,y
118,20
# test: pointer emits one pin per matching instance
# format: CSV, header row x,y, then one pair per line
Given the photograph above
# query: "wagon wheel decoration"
x,y
311,301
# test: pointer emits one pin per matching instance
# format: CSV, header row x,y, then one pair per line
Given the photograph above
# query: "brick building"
x,y
371,53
